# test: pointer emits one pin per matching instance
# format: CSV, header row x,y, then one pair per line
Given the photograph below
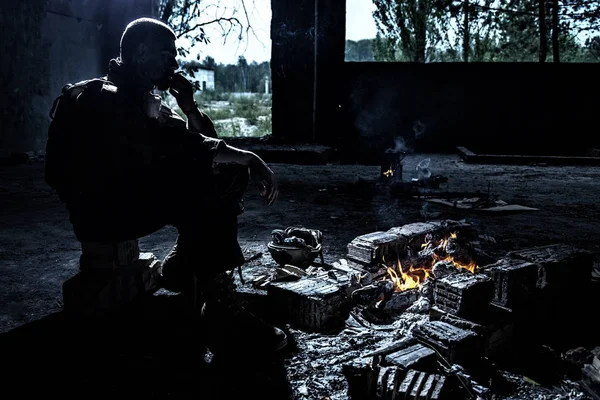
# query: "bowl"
x,y
298,256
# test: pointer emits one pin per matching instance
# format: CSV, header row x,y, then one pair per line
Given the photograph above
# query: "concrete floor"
x,y
38,251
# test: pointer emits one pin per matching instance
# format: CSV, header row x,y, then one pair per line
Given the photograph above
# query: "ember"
x,y
437,258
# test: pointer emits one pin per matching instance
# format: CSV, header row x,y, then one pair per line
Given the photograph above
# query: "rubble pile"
x,y
413,313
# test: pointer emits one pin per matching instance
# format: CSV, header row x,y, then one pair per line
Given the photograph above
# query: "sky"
x,y
257,45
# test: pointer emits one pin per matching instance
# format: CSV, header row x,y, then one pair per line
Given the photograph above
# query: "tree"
x,y
209,62
593,47
383,48
188,18
243,73
484,30
415,27
361,50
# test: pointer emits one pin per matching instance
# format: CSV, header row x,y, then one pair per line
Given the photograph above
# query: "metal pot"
x,y
298,256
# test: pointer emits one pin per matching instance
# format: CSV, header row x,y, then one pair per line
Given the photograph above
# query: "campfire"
x,y
445,257
422,311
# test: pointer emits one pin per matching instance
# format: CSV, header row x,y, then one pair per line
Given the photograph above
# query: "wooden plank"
x,y
464,152
526,159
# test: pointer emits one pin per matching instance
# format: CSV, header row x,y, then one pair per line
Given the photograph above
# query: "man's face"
x,y
159,63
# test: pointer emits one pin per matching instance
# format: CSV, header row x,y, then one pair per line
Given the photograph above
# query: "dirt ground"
x,y
38,252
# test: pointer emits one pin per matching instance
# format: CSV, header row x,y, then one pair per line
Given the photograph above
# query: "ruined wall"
x,y
47,44
24,67
362,108
512,108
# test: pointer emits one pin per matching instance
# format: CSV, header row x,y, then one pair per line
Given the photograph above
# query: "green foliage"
x,y
236,116
361,50
486,30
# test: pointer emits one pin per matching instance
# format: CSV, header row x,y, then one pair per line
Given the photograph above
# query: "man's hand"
x,y
260,172
183,91
264,178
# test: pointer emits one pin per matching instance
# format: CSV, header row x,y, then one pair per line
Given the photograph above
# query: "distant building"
x,y
205,76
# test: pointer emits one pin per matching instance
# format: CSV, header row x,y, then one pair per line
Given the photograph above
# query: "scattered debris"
x,y
362,332
477,204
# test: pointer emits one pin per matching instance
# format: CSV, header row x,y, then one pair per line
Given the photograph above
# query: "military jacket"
x,y
103,138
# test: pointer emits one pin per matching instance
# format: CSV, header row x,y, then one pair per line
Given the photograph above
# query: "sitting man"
x,y
126,165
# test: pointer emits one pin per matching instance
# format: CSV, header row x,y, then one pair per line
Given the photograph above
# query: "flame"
x,y
414,277
389,172
410,279
471,266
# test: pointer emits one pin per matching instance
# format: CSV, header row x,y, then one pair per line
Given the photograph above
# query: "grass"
x,y
238,116
234,116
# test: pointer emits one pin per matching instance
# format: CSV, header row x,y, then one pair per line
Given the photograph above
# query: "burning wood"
x,y
448,250
398,242
383,284
416,234
372,292
434,260
464,295
398,301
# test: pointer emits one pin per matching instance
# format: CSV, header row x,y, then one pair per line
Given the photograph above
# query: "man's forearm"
x,y
230,154
201,123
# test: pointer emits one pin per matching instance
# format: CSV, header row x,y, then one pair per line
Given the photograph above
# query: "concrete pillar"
x,y
330,22
293,69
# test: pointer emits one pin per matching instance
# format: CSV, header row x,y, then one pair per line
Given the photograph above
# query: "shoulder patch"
x,y
109,87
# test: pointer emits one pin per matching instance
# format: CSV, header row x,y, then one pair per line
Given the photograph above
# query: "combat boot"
x,y
231,329
177,269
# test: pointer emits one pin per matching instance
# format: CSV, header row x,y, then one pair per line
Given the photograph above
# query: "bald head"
x,y
144,31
